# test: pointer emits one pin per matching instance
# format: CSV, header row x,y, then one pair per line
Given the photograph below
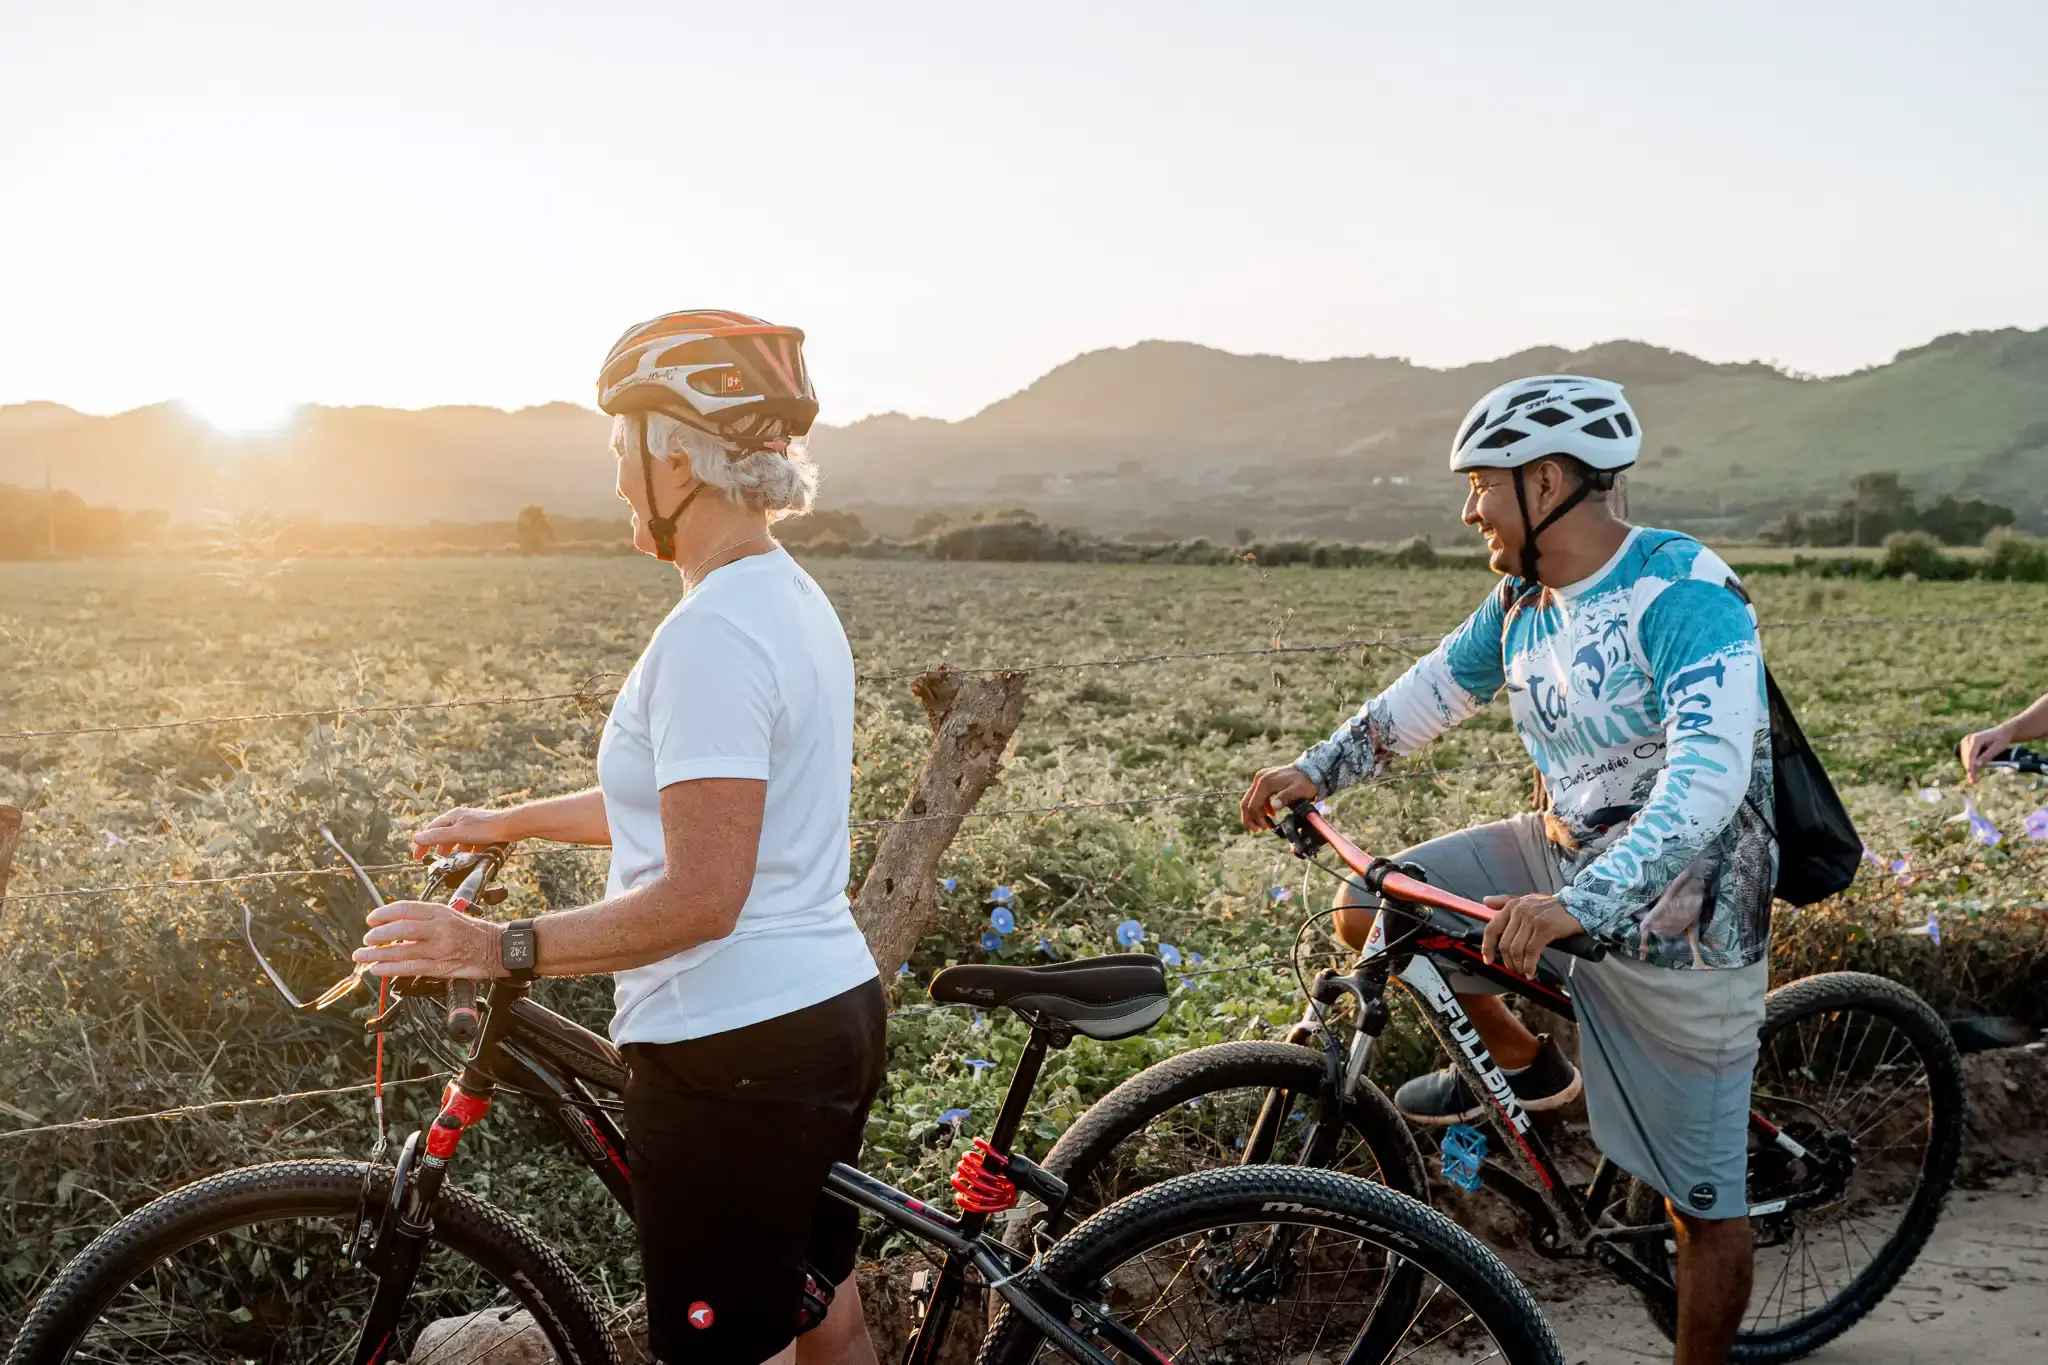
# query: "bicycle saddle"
x,y
1102,997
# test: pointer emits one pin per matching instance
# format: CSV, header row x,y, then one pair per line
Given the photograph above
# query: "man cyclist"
x,y
1634,674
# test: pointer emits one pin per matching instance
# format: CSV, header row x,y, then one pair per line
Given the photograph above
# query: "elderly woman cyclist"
x,y
748,1006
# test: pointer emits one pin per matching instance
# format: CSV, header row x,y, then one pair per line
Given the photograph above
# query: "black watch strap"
x,y
519,951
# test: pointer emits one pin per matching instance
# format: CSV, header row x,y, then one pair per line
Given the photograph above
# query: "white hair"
x,y
781,483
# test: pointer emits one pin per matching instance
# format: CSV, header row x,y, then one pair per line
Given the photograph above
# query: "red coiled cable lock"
x,y
979,1185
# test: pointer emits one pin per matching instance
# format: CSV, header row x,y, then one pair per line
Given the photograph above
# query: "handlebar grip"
x,y
1581,945
462,1016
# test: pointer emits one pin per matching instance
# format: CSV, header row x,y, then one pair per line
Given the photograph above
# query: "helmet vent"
x,y
692,353
1592,404
1501,439
1549,417
1627,427
1476,420
1604,428
1527,396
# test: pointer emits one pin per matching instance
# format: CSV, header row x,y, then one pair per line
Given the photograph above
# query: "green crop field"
x,y
134,1001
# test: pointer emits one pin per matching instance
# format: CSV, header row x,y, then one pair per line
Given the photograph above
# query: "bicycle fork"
x,y
392,1251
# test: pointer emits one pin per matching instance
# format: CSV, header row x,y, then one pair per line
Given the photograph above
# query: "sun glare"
x,y
241,414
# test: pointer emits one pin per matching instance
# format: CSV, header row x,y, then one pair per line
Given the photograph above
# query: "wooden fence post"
x,y
972,719
10,838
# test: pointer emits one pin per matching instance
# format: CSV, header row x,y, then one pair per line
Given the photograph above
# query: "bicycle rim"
x,y
269,1280
1286,1275
1853,1079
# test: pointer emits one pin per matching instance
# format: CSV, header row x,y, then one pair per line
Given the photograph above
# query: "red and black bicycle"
x,y
339,1261
1855,1134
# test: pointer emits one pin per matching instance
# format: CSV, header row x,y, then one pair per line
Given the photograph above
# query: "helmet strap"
x,y
1530,532
662,528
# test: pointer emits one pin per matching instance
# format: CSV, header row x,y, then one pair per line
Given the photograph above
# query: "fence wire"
x,y
542,847
188,1111
584,694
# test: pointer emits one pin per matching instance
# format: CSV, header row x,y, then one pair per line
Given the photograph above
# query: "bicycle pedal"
x,y
1463,1153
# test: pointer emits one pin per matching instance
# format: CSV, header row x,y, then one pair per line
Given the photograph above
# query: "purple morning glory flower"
x,y
1194,957
904,970
980,1064
1169,954
948,883
955,1115
1003,920
990,940
1280,895
2036,825
1130,933
1931,795
1983,830
1871,858
1048,949
1002,895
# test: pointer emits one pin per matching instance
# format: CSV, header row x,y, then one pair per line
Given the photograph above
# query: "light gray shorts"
x,y
1667,1054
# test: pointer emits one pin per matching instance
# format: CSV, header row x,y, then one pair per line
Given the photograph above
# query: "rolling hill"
x,y
1165,437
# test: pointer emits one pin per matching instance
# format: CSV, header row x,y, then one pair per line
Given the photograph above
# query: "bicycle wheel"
x,y
1263,1265
249,1266
1196,1111
1858,1068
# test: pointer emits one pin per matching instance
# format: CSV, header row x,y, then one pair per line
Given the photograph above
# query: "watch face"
x,y
516,949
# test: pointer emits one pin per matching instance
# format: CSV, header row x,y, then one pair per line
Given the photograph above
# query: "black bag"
x,y
1818,847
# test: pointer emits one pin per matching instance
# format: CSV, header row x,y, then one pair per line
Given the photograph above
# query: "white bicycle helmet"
x,y
1551,414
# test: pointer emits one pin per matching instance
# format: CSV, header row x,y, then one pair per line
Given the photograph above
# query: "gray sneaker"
x,y
1440,1098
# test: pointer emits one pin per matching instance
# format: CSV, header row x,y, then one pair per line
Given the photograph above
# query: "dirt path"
x,y
1976,1295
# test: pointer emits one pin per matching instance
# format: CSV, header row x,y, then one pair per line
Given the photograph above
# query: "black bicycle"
x,y
1855,1131
333,1260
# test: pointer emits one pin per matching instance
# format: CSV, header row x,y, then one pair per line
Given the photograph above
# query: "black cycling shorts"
x,y
730,1137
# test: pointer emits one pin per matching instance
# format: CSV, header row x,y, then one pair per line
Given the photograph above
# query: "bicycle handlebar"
x,y
1384,878
2018,760
463,1021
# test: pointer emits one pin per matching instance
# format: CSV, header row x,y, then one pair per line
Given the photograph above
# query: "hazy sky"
x,y
420,203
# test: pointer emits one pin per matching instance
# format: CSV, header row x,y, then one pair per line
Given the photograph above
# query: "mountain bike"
x,y
334,1260
1855,1130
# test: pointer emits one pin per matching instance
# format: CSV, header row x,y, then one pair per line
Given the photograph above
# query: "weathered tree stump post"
x,y
972,719
10,839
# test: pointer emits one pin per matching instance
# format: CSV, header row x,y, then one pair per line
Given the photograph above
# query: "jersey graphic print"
x,y
1639,694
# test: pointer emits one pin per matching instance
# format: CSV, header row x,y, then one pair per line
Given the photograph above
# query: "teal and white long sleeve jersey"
x,y
1639,692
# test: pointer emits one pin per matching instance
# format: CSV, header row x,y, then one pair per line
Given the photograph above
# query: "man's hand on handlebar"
x,y
1274,788
426,938
1526,925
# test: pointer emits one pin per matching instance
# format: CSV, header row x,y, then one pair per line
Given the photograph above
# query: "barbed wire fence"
x,y
584,694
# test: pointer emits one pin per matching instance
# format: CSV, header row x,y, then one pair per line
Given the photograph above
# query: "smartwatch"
x,y
518,950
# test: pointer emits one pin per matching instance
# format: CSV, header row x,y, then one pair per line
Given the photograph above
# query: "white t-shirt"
x,y
750,676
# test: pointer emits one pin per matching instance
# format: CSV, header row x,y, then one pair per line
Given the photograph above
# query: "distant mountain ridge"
x,y
1162,436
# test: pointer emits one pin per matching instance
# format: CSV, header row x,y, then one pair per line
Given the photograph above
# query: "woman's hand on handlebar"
x,y
427,938
1525,926
1283,785
464,829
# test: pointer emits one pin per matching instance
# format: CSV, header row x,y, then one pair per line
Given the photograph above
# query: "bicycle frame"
x,y
528,1049
1409,949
